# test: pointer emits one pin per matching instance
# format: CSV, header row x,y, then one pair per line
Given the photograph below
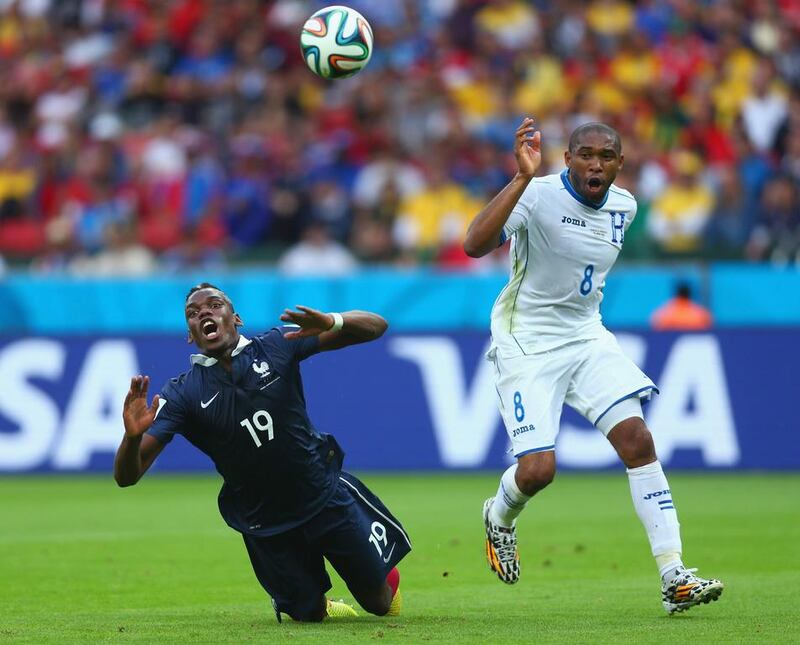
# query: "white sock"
x,y
509,501
652,500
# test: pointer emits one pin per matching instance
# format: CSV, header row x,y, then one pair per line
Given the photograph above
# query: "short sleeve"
x,y
297,348
171,414
522,211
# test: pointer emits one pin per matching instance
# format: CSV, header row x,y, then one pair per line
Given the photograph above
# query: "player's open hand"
x,y
136,414
528,148
311,321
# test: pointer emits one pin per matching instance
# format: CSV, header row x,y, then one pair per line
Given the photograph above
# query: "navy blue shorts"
x,y
355,532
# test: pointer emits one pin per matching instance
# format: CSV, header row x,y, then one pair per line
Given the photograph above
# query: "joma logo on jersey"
x,y
523,429
658,493
573,220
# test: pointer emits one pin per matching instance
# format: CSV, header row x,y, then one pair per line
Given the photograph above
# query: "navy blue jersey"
x,y
278,470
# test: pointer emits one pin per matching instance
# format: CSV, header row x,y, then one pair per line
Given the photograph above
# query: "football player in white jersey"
x,y
549,345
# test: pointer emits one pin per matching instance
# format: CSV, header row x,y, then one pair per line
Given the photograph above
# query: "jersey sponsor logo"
x,y
657,493
523,429
573,220
205,404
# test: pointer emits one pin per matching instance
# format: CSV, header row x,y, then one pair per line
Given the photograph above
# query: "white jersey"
x,y
562,249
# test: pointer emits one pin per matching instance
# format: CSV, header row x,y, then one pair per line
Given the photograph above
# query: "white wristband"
x,y
338,322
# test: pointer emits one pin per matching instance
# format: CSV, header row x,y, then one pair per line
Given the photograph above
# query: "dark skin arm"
x,y
137,451
483,234
359,327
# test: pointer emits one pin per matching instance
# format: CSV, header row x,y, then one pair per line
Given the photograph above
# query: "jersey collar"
x,y
208,361
574,193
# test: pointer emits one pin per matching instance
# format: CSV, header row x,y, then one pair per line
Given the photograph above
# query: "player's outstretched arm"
x,y
356,326
483,235
137,451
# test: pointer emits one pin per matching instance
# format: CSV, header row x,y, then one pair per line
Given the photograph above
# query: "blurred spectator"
x,y
776,236
59,247
17,183
610,18
317,253
371,236
384,168
432,217
730,222
329,204
681,313
122,255
512,22
193,254
246,199
680,212
764,109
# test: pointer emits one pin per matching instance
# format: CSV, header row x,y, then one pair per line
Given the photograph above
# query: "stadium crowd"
x,y
148,135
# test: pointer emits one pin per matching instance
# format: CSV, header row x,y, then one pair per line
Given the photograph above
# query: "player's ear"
x,y
189,338
621,161
567,158
237,320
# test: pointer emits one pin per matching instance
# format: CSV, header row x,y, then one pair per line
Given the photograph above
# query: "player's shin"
x,y
654,505
509,501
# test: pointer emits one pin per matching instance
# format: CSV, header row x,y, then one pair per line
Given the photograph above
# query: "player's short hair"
x,y
208,285
594,126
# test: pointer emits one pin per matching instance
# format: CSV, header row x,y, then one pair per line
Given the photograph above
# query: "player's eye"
x,y
216,305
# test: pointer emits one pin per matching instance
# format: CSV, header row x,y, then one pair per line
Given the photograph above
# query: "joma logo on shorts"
x,y
573,220
658,493
522,429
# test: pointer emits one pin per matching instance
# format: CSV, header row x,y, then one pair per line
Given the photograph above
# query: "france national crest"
x,y
261,369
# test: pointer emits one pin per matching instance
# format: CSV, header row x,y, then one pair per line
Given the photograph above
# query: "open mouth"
x,y
595,183
210,330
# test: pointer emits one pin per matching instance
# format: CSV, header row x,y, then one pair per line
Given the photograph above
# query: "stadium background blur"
x,y
139,137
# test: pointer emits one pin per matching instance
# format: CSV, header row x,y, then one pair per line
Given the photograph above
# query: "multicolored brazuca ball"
x,y
336,42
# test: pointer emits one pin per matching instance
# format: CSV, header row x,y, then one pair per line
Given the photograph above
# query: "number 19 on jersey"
x,y
261,422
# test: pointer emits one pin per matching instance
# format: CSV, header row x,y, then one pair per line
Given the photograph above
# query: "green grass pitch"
x,y
82,561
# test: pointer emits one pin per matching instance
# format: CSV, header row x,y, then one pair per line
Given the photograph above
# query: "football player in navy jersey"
x,y
284,490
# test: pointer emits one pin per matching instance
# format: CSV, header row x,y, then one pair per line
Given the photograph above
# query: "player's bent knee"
x,y
633,443
375,602
536,473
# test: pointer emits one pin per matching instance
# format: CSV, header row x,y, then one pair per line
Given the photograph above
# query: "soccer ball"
x,y
336,42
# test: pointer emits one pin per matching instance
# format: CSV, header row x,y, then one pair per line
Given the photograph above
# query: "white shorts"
x,y
590,376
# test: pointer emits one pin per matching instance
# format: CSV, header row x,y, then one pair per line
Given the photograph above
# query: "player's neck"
x,y
224,355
